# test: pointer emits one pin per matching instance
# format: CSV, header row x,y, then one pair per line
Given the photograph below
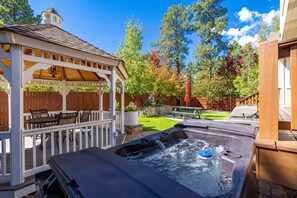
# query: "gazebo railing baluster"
x,y
55,140
4,164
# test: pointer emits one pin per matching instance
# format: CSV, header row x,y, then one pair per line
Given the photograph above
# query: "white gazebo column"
x,y
122,109
16,63
8,92
100,93
64,94
112,99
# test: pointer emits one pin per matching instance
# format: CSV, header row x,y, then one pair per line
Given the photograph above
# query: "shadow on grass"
x,y
149,128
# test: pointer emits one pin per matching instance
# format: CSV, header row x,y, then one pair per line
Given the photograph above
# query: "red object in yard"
x,y
187,96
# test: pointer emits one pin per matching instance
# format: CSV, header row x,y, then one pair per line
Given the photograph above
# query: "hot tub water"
x,y
181,163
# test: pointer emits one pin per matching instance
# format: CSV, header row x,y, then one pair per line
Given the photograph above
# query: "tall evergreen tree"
x,y
275,24
210,19
17,12
264,31
173,43
134,60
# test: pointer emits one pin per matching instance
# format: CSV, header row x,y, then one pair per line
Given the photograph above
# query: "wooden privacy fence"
x,y
223,104
81,100
3,111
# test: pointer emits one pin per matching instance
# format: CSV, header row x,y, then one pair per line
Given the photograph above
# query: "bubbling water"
x,y
181,163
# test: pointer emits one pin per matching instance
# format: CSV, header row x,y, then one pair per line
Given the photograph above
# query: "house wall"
x,y
284,82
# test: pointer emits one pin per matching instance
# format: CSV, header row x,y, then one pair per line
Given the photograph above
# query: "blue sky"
x,y
102,22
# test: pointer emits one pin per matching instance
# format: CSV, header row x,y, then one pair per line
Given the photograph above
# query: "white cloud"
x,y
248,33
248,39
245,15
267,17
236,33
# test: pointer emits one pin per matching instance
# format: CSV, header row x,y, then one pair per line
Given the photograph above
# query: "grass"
x,y
158,123
215,116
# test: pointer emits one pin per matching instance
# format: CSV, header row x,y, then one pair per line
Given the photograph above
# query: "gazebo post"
x,y
122,108
17,96
112,99
100,93
8,92
64,96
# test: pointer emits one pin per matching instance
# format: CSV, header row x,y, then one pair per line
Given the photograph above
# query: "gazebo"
x,y
35,53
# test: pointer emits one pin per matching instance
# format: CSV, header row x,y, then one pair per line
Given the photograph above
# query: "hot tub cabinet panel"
x,y
276,162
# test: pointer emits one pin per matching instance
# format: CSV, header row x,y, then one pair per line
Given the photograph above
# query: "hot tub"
x,y
222,175
165,164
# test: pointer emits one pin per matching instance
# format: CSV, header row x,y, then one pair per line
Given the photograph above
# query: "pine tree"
x,y
209,19
174,42
264,31
275,24
17,12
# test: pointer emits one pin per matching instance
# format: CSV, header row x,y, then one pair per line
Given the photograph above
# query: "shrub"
x,y
131,107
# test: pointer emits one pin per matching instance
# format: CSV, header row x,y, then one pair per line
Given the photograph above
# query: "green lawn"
x,y
158,123
215,116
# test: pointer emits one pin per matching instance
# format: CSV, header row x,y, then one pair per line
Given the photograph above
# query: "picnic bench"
x,y
181,111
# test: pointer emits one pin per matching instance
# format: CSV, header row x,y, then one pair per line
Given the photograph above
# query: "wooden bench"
x,y
181,111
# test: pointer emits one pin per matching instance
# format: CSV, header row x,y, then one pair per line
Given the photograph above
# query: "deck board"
x,y
286,135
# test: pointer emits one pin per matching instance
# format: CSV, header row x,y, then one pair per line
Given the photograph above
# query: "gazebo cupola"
x,y
51,16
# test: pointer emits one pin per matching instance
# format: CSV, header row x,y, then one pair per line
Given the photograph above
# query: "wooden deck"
x,y
286,135
284,114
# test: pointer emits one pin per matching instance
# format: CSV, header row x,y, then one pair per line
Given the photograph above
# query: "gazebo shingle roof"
x,y
55,35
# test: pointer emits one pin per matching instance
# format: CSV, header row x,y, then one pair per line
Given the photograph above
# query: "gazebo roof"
x,y
55,35
52,10
72,50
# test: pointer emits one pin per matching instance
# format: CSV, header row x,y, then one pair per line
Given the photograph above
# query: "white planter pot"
x,y
131,118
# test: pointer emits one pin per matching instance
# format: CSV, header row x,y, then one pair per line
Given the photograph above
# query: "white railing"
x,y
62,139
4,165
42,143
95,115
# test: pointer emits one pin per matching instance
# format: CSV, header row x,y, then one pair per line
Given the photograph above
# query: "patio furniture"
x,y
42,121
244,111
67,118
244,114
187,111
39,113
85,115
85,118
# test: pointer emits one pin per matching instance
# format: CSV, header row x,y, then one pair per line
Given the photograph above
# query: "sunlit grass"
x,y
215,116
156,123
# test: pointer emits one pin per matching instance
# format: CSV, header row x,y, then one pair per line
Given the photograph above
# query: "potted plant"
x,y
131,115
